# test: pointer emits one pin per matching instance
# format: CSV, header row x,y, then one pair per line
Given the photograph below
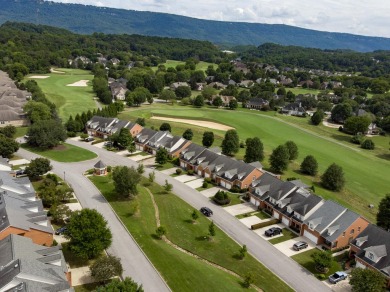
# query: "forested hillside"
x,y
89,19
374,64
38,47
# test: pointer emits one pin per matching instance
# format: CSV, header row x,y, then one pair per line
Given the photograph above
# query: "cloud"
x,y
351,16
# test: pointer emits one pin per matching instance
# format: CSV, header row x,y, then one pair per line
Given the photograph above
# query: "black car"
x,y
20,172
273,231
300,245
61,230
89,139
206,211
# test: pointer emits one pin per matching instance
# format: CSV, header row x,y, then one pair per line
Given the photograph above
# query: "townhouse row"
x,y
323,222
27,260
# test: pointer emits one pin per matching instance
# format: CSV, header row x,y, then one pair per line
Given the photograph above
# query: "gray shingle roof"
x,y
376,239
25,257
100,164
340,225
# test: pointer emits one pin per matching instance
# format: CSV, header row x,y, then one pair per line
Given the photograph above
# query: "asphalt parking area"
x,y
286,247
241,209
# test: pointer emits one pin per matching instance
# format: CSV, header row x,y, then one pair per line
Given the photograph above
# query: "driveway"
x,y
140,157
170,171
251,220
185,178
19,162
99,145
286,246
210,192
261,231
284,267
342,286
74,206
195,183
240,209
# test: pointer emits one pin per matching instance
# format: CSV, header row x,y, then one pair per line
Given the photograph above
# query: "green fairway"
x,y
367,173
300,90
69,100
181,271
64,153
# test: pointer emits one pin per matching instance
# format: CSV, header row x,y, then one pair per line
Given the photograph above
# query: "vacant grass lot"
x,y
366,173
63,153
305,260
183,272
69,100
173,63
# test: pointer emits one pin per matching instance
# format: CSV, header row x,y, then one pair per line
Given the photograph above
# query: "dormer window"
x,y
370,255
352,231
311,226
343,233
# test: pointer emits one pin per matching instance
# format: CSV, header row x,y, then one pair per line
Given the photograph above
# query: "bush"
x,y
205,185
264,224
321,276
109,168
221,198
235,189
175,161
207,179
368,144
357,139
190,172
242,145
341,129
71,134
179,171
160,232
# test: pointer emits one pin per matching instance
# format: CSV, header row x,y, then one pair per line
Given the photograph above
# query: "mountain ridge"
x,y
87,19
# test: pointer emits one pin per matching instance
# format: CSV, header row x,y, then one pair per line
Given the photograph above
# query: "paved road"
x,y
135,264
287,269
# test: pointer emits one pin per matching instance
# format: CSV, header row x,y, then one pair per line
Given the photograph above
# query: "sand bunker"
x,y
81,83
38,77
52,70
199,123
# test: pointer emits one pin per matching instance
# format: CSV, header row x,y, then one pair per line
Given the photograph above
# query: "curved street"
x,y
135,263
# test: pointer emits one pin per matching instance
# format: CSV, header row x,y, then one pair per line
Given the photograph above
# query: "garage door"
x,y
182,164
310,236
285,221
206,174
223,184
276,215
253,201
199,172
228,186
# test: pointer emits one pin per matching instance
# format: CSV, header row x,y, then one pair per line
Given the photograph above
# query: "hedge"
x,y
264,224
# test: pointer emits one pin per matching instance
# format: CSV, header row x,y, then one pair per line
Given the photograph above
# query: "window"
x,y
352,231
343,233
254,177
370,256
359,229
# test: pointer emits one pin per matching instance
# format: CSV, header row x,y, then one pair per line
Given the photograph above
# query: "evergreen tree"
x,y
208,139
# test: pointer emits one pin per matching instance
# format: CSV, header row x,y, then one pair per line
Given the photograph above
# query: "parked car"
x,y
337,277
273,231
89,139
300,245
61,230
108,144
206,211
20,172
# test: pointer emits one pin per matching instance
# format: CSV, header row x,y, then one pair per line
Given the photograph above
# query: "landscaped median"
x,y
63,153
209,270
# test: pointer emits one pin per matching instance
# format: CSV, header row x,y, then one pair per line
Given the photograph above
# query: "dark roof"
x,y
191,152
266,184
145,135
100,164
257,102
374,236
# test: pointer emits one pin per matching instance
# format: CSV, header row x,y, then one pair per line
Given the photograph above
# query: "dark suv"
x,y
206,211
273,231
300,245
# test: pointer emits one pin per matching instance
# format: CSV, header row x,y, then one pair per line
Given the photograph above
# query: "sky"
x,y
364,17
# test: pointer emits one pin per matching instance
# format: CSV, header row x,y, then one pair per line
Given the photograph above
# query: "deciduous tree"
x,y
161,156
8,146
383,216
126,180
105,268
88,233
309,165
292,150
317,117
165,127
38,167
367,280
208,139
279,158
188,134
127,285
231,143
333,178
46,134
254,150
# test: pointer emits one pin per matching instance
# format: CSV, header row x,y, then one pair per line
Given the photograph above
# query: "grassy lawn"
x,y
234,199
209,186
69,100
87,287
366,183
165,166
173,63
183,272
287,235
300,90
73,260
20,132
63,153
259,214
305,260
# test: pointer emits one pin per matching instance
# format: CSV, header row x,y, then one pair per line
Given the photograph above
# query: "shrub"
x,y
205,185
71,134
179,171
235,189
242,145
221,198
291,178
175,161
341,128
109,168
207,179
190,172
368,144
357,139
321,276
264,224
160,232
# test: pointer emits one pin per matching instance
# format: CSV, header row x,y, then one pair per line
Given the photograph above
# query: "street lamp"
x,y
64,175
